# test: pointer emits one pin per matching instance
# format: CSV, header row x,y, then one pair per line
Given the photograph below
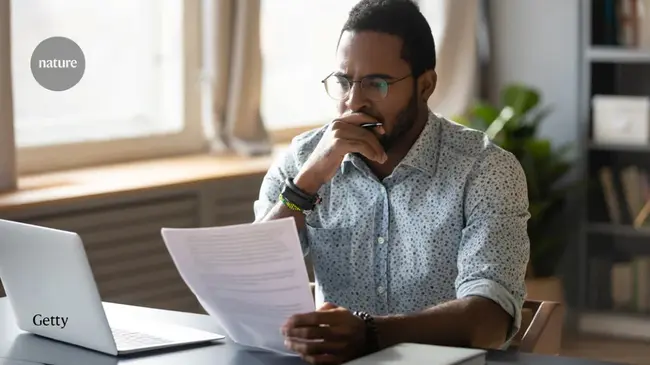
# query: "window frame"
x,y
191,139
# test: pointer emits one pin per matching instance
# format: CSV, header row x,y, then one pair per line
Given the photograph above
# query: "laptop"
x,y
52,291
416,354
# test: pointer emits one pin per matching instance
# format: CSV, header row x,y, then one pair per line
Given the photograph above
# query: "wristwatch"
x,y
372,336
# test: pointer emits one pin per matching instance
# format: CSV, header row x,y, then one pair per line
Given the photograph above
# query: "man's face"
x,y
366,54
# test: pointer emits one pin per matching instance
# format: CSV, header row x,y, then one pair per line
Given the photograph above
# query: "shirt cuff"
x,y
492,290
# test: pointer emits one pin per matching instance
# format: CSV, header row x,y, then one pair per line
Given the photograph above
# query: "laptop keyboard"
x,y
124,338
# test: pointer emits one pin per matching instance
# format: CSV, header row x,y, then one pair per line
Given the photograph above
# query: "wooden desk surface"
x,y
16,345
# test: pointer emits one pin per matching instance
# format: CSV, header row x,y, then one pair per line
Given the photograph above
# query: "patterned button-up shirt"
x,y
449,222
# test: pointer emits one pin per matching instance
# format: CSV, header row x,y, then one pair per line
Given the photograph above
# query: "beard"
x,y
403,123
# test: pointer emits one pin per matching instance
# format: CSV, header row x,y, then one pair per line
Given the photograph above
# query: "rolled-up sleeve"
x,y
272,184
495,247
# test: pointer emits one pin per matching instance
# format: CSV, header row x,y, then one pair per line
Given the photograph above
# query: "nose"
x,y
356,99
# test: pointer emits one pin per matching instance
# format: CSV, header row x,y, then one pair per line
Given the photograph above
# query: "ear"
x,y
427,83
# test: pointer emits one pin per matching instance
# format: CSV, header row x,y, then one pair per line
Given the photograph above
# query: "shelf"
x,y
618,147
617,55
633,326
618,230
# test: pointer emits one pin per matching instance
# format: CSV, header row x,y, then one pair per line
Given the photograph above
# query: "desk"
x,y
28,349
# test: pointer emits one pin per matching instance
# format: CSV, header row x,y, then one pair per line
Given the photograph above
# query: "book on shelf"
x,y
619,285
627,198
623,23
630,285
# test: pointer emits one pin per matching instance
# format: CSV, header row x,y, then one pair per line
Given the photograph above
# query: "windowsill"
x,y
78,184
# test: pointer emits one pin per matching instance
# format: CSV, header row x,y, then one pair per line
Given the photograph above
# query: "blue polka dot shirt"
x,y
449,222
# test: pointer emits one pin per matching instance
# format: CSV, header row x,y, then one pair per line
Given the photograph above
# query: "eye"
x,y
341,81
376,83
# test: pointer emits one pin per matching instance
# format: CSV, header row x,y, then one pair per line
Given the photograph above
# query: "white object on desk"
x,y
50,284
413,353
250,277
621,119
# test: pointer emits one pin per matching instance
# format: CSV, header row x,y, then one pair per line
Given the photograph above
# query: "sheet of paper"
x,y
251,278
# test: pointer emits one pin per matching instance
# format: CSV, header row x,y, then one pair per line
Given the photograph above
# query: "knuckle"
x,y
336,125
310,333
298,347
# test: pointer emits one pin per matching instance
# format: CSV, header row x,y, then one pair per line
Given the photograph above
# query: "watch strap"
x,y
372,335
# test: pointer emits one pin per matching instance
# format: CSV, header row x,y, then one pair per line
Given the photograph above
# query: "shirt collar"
x,y
421,156
424,152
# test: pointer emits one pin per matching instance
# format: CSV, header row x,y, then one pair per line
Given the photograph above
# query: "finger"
x,y
379,129
359,119
364,148
327,306
327,333
331,318
323,359
356,118
350,132
316,348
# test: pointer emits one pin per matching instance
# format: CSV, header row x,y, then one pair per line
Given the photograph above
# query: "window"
x,y
132,101
298,50
435,13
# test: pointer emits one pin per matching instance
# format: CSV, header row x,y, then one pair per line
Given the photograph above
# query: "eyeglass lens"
x,y
338,87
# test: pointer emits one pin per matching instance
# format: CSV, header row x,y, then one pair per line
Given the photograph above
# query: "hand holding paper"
x,y
251,278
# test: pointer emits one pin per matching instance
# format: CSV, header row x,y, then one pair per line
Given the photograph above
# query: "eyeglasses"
x,y
374,87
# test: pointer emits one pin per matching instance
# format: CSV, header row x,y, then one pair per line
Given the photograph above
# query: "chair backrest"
x,y
541,328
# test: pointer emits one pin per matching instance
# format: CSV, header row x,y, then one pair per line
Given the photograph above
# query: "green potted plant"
x,y
514,125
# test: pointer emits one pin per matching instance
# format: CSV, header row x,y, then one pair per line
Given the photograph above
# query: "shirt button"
x,y
380,290
380,240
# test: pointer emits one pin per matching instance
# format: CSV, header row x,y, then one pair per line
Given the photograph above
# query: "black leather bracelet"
x,y
372,335
304,201
312,200
289,182
291,185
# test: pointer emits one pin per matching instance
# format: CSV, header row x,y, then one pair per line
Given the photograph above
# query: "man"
x,y
416,228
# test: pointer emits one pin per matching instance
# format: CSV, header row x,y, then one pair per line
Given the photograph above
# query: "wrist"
x,y
307,183
370,334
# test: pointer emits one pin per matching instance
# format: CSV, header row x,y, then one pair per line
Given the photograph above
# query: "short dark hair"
x,y
401,18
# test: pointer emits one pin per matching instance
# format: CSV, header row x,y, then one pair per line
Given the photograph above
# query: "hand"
x,y
331,335
343,136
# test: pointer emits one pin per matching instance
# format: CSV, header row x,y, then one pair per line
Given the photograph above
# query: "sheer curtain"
x,y
299,39
456,25
232,76
7,143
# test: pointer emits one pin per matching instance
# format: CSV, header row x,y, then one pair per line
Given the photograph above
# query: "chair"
x,y
541,327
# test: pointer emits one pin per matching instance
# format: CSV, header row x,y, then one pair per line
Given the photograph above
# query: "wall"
x,y
537,43
7,158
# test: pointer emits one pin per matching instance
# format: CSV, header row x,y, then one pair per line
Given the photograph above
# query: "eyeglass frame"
x,y
383,77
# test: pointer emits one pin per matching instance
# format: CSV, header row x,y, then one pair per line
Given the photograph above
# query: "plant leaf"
x,y
497,125
485,112
539,148
520,98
